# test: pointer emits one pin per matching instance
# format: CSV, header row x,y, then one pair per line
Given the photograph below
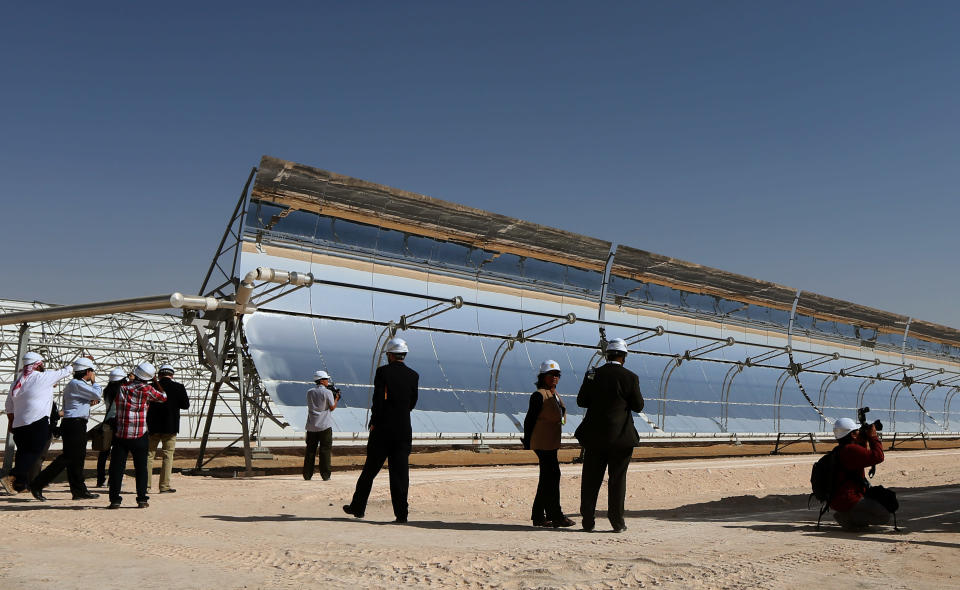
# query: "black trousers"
x,y
118,464
595,462
324,440
397,450
103,455
546,504
31,440
74,434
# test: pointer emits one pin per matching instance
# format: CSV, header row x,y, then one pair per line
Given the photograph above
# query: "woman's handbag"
x,y
101,436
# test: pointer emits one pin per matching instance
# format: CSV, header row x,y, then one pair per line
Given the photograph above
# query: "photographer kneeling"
x,y
858,448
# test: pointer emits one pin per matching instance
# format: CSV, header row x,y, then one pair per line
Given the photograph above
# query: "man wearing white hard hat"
x,y
610,393
857,448
116,379
78,395
395,392
163,425
321,401
132,402
28,414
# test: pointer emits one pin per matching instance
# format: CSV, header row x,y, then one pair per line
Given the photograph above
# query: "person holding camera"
x,y
859,447
130,438
163,425
79,394
321,401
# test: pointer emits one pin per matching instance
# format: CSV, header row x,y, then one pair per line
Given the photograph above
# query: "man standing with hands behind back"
x,y
611,394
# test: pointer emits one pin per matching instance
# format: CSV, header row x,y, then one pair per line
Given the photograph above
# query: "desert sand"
x,y
693,523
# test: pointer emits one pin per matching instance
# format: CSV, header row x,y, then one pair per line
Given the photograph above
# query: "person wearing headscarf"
x,y
28,413
541,433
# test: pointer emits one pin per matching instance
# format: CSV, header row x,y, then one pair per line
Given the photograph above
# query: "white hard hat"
x,y
320,375
843,427
547,366
617,344
31,357
145,371
83,364
397,346
166,368
117,374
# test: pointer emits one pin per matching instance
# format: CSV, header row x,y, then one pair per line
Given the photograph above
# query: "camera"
x,y
335,390
862,419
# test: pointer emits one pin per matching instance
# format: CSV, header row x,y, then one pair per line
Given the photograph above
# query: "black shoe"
x,y
562,522
38,493
113,505
325,476
307,477
101,484
540,522
400,520
587,525
349,510
85,496
620,528
143,504
168,491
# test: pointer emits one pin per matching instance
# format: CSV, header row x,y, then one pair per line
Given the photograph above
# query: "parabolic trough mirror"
x,y
482,299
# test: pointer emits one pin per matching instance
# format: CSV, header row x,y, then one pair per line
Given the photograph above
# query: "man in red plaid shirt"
x,y
132,402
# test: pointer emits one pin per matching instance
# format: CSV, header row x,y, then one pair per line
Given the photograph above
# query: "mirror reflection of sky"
x,y
472,379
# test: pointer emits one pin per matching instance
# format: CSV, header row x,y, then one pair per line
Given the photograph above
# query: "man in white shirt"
x,y
28,414
321,401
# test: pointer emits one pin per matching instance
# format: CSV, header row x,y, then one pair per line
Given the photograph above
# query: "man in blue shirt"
x,y
78,395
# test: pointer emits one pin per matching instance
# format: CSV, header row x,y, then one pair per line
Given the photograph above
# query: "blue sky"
x,y
814,144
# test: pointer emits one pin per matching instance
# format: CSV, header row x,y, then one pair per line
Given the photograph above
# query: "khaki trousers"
x,y
169,443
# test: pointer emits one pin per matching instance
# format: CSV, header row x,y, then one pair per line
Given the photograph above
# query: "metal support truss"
x,y
674,363
112,339
501,353
406,321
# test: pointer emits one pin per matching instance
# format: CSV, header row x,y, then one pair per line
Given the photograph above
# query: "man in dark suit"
x,y
610,394
394,396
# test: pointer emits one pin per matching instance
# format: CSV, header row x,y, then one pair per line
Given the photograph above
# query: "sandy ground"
x,y
693,523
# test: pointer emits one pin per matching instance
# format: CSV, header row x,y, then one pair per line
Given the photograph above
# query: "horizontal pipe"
x,y
174,300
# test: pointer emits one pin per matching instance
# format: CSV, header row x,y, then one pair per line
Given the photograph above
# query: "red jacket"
x,y
851,481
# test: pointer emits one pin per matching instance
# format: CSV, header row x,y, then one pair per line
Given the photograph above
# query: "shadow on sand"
x,y
922,511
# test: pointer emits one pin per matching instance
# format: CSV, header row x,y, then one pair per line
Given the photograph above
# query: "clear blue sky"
x,y
814,144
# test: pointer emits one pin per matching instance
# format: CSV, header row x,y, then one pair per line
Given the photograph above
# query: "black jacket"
x,y
164,418
610,394
395,392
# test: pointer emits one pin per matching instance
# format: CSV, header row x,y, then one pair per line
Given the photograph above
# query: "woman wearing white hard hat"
x,y
28,417
541,433
321,401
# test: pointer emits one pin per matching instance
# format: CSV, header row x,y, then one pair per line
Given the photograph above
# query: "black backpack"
x,y
823,478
